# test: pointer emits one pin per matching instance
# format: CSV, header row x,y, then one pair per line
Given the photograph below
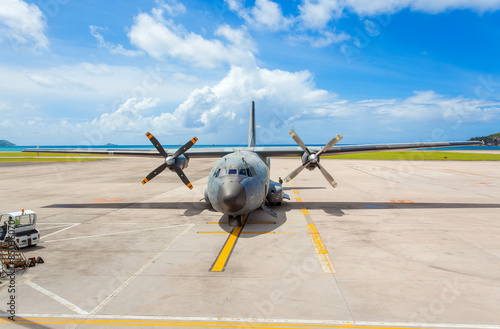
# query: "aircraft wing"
x,y
349,149
272,151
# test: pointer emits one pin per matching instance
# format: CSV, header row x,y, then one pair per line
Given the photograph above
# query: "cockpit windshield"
x,y
245,171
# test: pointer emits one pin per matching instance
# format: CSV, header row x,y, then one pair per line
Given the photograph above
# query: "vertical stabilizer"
x,y
251,127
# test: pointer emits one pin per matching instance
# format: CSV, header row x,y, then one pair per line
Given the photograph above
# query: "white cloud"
x,y
173,7
114,49
422,106
323,39
128,117
316,14
264,15
284,100
162,38
224,105
23,24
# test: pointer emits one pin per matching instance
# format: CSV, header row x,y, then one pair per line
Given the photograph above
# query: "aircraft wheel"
x,y
234,221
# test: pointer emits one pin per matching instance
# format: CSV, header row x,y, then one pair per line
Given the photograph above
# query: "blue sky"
x,y
93,72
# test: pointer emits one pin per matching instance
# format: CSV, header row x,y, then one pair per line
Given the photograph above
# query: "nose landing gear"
x,y
234,221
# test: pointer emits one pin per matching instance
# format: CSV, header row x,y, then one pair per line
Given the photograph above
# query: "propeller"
x,y
169,160
313,158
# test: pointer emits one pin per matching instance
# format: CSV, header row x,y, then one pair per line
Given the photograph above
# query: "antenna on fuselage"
x,y
251,127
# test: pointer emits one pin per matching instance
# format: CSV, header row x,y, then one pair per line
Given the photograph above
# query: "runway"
x,y
397,244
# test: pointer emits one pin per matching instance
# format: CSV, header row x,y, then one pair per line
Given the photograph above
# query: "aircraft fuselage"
x,y
238,183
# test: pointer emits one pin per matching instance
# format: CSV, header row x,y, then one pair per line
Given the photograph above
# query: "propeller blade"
x,y
330,144
295,173
154,173
299,141
328,177
183,177
157,145
186,147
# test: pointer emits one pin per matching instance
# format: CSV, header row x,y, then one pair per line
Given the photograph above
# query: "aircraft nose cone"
x,y
231,197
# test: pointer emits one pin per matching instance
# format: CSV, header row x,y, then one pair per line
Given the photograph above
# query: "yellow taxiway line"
x,y
468,173
227,249
319,246
220,324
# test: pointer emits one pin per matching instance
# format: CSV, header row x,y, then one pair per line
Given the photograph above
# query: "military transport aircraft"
x,y
239,182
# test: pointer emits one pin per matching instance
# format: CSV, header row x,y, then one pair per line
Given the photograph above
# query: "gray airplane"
x,y
240,182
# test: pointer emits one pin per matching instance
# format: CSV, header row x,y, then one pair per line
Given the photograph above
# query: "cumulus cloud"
x,y
129,116
286,98
23,24
264,15
161,38
422,106
173,7
114,49
316,14
223,105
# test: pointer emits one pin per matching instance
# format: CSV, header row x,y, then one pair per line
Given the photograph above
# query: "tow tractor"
x,y
22,226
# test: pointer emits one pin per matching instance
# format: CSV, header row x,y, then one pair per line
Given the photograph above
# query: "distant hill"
x,y
6,143
493,139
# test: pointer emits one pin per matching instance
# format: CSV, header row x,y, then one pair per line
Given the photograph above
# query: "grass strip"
x,y
33,154
36,159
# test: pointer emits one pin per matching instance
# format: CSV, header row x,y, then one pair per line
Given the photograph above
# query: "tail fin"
x,y
251,127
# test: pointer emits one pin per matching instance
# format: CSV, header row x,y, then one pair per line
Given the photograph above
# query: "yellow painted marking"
x,y
221,232
221,260
263,223
199,324
186,323
149,135
402,201
109,200
320,249
194,140
468,173
190,185
9,173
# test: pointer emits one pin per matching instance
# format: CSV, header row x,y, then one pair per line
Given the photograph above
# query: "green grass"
x,y
35,159
32,154
46,157
418,155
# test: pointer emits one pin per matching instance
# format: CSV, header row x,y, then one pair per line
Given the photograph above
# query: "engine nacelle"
x,y
182,161
275,193
305,158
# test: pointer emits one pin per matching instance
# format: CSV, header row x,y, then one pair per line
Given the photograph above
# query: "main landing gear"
x,y
234,221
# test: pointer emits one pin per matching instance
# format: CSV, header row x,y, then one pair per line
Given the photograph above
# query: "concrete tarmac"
x,y
396,244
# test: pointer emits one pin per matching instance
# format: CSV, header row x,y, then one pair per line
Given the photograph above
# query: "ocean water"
x,y
147,147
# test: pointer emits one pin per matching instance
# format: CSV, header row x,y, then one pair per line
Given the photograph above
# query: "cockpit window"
x,y
233,171
242,172
217,172
249,172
